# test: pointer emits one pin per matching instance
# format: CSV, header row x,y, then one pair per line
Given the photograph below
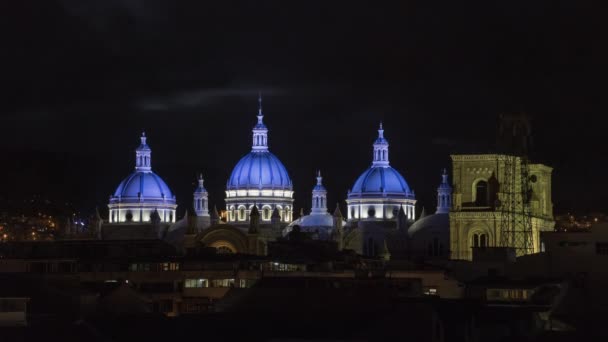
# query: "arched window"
x,y
266,213
352,212
482,195
241,213
480,240
129,216
483,240
371,212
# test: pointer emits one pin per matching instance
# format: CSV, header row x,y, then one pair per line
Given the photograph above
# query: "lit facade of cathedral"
x,y
381,207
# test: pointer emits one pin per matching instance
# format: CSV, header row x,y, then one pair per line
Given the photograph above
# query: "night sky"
x,y
83,78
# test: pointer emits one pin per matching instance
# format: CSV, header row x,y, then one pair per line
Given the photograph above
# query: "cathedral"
x,y
380,220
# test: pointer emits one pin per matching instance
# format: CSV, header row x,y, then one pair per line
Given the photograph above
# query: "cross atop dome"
x,y
143,155
380,149
260,131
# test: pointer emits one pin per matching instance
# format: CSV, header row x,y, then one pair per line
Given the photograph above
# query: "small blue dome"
x,y
379,179
146,184
259,170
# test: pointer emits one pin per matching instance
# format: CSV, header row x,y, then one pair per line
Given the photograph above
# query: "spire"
x,y
215,216
254,220
260,105
337,212
444,194
143,155
201,198
380,149
319,196
260,132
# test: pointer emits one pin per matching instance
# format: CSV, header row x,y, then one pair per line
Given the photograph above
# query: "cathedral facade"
x,y
476,215
381,207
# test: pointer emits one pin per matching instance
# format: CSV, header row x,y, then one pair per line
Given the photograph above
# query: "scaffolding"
x,y
515,188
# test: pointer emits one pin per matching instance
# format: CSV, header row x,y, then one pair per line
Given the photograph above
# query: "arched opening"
x,y
371,212
266,213
241,213
224,247
475,240
482,195
129,216
483,240
480,240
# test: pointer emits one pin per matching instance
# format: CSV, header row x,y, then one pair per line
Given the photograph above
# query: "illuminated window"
x,y
196,283
222,282
169,266
241,213
430,291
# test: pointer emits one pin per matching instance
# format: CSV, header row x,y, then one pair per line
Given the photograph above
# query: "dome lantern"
x,y
143,155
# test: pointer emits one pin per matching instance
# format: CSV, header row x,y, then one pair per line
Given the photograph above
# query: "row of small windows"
x,y
259,140
382,155
129,216
143,161
229,282
319,202
241,214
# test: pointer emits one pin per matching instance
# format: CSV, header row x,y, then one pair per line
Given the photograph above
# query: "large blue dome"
x,y
259,170
145,184
381,179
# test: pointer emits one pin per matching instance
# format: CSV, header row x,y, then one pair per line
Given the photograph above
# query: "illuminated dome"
x,y
143,193
383,179
259,170
380,191
259,179
143,184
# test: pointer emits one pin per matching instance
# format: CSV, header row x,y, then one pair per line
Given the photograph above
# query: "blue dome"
x,y
377,180
259,170
147,184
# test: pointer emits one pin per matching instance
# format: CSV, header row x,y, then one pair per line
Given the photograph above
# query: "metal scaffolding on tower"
x,y
515,192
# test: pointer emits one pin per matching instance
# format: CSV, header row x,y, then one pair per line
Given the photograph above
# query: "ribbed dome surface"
x,y
381,179
259,170
146,184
